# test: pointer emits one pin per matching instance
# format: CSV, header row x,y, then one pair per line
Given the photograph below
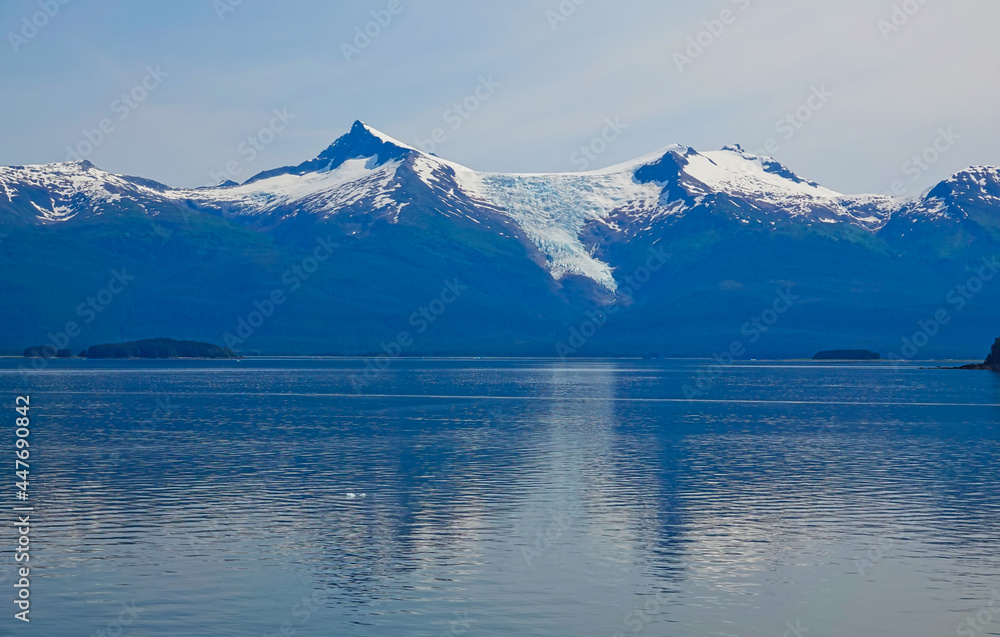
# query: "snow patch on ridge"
x,y
324,192
386,138
66,184
730,170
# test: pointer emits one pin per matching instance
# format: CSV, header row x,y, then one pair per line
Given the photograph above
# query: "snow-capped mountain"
x,y
54,193
366,170
584,232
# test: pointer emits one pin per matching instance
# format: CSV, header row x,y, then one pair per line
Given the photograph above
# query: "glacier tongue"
x,y
553,209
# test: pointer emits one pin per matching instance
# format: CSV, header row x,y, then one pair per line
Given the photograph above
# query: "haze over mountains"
x,y
377,246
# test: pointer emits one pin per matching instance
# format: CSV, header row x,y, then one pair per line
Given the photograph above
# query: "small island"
x,y
158,348
847,355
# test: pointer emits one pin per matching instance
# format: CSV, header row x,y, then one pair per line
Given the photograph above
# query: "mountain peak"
x,y
361,142
975,183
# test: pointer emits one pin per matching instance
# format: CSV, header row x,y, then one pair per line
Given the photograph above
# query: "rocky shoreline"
x,y
992,362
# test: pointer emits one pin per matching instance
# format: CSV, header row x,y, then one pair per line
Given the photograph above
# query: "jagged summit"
x,y
361,142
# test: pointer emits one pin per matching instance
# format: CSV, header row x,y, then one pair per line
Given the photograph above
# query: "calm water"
x,y
507,498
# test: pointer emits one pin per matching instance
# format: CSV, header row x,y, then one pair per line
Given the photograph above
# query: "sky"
x,y
845,93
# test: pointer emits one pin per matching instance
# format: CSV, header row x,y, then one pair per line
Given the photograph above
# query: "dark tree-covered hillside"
x,y
993,360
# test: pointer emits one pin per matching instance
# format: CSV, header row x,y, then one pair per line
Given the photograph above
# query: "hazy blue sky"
x,y
559,80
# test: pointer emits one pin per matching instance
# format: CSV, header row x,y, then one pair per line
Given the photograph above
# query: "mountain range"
x,y
377,247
